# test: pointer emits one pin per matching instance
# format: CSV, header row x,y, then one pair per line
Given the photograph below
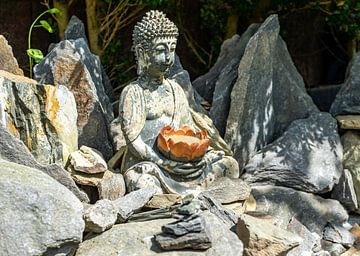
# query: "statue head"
x,y
154,43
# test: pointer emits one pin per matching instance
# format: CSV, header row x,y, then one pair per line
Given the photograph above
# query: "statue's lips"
x,y
182,144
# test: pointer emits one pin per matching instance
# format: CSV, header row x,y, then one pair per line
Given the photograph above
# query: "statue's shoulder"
x,y
132,111
132,88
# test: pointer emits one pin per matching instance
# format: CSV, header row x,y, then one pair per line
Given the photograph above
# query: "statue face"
x,y
161,56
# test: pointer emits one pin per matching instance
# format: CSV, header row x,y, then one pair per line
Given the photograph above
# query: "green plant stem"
x,y
29,40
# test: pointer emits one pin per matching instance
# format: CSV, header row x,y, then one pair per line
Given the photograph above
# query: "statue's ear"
x,y
142,59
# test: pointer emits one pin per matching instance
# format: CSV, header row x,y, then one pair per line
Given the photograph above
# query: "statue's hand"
x,y
182,167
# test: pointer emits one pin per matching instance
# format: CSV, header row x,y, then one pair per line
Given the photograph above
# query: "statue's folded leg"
x,y
226,166
149,175
142,175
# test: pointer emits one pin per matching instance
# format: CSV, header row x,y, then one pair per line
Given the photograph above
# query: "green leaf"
x,y
36,54
47,26
55,10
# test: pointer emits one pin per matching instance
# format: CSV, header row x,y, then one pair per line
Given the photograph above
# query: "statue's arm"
x,y
132,120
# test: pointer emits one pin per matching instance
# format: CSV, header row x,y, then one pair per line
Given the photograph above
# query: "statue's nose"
x,y
167,57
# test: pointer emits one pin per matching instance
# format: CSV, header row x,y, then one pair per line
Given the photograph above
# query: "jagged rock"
x,y
267,96
313,211
263,238
70,63
228,216
100,216
311,241
338,234
307,157
42,116
163,200
112,187
132,202
137,239
38,215
14,150
87,160
344,191
349,122
186,233
216,85
226,190
7,59
230,54
334,249
351,144
347,100
86,179
75,29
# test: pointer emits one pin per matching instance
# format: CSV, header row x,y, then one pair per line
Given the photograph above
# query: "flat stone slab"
x,y
226,190
164,200
132,202
349,122
137,238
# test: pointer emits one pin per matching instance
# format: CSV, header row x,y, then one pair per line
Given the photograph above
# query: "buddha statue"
x,y
153,102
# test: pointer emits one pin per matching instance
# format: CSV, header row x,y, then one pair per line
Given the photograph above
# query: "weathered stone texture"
x,y
7,59
307,157
42,116
70,63
268,95
38,215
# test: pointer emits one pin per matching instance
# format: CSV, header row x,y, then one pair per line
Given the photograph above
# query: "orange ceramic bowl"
x,y
183,144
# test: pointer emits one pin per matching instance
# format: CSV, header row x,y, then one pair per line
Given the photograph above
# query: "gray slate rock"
x,y
344,191
313,211
227,66
192,224
332,249
351,144
307,157
38,215
194,241
338,234
70,63
268,95
186,233
227,216
347,99
100,216
137,239
226,190
311,241
132,202
230,54
14,150
75,30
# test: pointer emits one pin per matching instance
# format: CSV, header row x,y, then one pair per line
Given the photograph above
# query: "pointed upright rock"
x,y
268,95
